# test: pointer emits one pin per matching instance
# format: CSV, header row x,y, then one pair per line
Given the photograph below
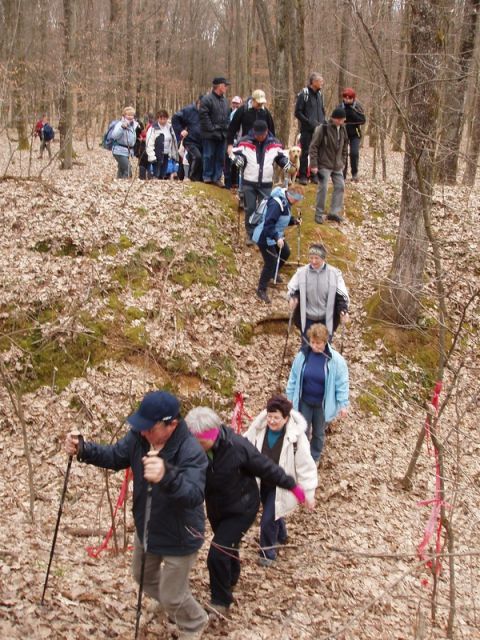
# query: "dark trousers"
x,y
305,140
272,532
195,161
252,196
354,152
224,564
270,257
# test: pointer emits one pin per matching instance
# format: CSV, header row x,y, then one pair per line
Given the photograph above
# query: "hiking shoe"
x,y
354,178
216,609
266,562
262,295
194,635
335,217
302,180
314,178
279,281
249,242
319,219
219,183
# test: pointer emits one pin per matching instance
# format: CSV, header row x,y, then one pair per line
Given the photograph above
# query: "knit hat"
x,y
348,92
260,126
339,112
317,250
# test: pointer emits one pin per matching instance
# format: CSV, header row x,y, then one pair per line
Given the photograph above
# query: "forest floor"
x,y
111,288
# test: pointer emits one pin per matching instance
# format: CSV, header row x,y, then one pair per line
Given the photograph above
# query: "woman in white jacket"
x,y
279,433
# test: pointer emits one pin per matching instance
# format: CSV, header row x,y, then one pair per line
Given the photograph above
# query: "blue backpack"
x,y
47,133
257,218
107,140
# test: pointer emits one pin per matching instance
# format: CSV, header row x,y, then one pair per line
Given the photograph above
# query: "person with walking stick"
x,y
269,235
169,471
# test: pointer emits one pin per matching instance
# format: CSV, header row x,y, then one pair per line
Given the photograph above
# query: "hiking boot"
x,y
314,178
319,219
354,178
335,217
302,180
219,183
249,242
217,610
279,281
266,562
262,295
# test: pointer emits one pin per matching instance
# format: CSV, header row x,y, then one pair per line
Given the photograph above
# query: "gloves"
x,y
239,162
299,493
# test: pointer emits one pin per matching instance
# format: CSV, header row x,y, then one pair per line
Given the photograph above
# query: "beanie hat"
x,y
339,112
260,126
348,92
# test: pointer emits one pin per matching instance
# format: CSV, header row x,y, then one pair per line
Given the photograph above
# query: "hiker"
x,y
230,170
255,154
140,146
214,112
186,124
269,234
244,117
355,118
310,112
317,293
161,145
318,386
328,155
45,132
177,520
123,137
279,433
231,496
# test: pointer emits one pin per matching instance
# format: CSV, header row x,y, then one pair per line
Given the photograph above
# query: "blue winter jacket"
x,y
188,118
278,216
124,139
177,500
336,382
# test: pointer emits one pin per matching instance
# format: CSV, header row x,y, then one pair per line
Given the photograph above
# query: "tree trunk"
x,y
474,147
66,98
129,75
454,100
298,50
401,293
19,73
344,48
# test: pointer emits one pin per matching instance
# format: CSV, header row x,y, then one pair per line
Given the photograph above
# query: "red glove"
x,y
299,493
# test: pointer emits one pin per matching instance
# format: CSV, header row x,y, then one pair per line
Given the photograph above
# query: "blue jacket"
x,y
278,217
124,139
177,500
336,382
188,118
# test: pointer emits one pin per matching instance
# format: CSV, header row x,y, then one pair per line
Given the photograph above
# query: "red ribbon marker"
x,y
239,413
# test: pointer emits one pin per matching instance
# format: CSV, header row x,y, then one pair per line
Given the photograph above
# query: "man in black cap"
x,y
328,155
255,154
177,474
214,120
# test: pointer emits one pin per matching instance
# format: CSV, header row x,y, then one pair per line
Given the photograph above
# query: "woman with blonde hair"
x,y
318,385
124,136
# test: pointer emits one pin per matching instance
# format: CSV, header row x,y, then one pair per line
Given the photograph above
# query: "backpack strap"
x,y
306,94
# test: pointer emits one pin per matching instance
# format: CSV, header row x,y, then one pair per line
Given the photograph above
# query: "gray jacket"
x,y
329,147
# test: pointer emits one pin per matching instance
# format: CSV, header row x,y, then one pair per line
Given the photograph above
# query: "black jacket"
x,y
355,118
231,486
188,118
214,117
243,120
309,109
177,500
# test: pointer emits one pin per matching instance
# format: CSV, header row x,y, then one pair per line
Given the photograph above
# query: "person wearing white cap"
x,y
241,123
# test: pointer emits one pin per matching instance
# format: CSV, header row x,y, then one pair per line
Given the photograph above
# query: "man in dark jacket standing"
x,y
177,475
328,155
186,124
231,495
214,119
355,118
310,112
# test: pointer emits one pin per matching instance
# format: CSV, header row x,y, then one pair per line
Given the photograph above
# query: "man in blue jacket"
x,y
186,124
177,520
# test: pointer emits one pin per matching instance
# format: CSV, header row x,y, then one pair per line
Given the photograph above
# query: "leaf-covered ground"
x,y
109,289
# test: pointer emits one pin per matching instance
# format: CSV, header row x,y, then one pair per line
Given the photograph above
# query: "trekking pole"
x,y
146,523
298,237
277,267
290,318
342,335
60,509
240,205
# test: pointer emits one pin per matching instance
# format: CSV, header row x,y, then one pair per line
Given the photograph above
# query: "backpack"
x,y
47,133
260,212
107,140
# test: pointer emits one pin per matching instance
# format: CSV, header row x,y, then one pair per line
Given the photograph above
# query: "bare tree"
x,y
66,97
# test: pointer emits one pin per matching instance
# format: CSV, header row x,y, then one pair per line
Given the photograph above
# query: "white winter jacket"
x,y
295,458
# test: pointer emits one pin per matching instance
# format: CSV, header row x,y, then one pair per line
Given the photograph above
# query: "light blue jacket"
x,y
124,139
336,392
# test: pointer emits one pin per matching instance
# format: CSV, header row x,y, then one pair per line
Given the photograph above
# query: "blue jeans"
x,y
272,532
213,159
316,427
